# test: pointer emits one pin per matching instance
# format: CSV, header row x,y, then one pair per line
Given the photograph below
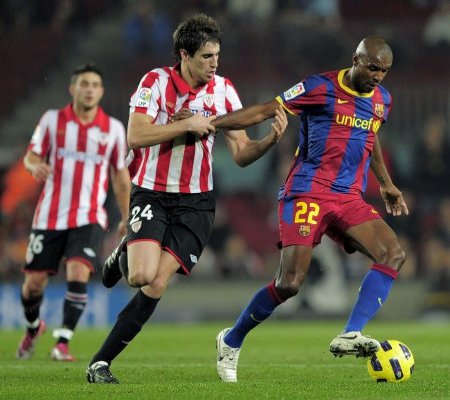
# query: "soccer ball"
x,y
394,362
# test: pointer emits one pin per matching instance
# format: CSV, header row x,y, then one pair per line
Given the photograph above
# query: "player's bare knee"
x,y
393,257
33,292
397,258
286,291
157,287
33,288
137,278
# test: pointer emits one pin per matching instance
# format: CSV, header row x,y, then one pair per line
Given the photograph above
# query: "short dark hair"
x,y
89,67
193,33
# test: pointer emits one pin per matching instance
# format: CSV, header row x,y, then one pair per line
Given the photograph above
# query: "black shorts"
x,y
180,223
46,248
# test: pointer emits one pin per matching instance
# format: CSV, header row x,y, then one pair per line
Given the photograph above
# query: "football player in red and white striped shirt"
x,y
73,150
172,203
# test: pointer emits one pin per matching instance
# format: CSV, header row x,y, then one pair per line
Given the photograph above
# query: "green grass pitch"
x,y
280,360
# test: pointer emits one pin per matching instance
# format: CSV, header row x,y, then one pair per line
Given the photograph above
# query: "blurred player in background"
x,y
172,202
72,151
340,116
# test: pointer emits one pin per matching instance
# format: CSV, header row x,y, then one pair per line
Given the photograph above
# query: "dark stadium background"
x,y
268,46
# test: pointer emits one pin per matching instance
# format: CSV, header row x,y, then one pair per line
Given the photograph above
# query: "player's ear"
x,y
355,59
71,89
184,54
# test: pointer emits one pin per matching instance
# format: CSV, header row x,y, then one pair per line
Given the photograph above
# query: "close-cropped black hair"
x,y
85,68
193,33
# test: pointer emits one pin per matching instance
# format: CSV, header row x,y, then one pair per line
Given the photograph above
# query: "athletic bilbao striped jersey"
x,y
80,156
337,133
182,165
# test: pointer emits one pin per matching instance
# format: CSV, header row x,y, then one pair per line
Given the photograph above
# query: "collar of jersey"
x,y
347,89
99,120
182,86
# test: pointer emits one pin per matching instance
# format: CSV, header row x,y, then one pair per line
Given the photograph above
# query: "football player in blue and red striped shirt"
x,y
340,116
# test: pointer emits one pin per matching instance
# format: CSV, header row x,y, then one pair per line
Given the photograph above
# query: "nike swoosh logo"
x,y
379,301
349,338
340,101
374,211
253,318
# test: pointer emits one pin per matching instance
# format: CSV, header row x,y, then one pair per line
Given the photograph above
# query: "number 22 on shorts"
x,y
306,213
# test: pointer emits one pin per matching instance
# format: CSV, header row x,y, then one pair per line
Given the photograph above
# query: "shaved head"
x,y
374,46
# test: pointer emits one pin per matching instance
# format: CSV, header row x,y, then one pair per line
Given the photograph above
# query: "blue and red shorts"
x,y
305,217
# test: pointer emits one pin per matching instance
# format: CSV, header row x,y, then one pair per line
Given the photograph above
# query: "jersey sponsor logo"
x,y
205,113
304,230
143,97
379,109
80,156
355,122
294,91
209,100
89,252
341,101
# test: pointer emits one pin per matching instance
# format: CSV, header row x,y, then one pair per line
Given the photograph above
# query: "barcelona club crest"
x,y
379,109
304,230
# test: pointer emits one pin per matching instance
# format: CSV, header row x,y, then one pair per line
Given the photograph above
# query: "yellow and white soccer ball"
x,y
394,362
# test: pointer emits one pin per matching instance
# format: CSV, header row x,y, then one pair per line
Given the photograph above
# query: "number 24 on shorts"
x,y
306,213
137,214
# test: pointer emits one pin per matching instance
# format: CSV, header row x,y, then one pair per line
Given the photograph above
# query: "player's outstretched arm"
x,y
142,132
245,151
392,196
247,116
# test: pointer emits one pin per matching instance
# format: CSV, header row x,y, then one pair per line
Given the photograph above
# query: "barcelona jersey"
x,y
337,134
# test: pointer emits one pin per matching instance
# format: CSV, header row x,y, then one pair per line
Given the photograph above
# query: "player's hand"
x,y
279,124
122,228
200,125
181,114
394,201
41,171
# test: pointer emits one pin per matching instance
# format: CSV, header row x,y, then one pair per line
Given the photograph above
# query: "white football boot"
x,y
227,358
354,343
